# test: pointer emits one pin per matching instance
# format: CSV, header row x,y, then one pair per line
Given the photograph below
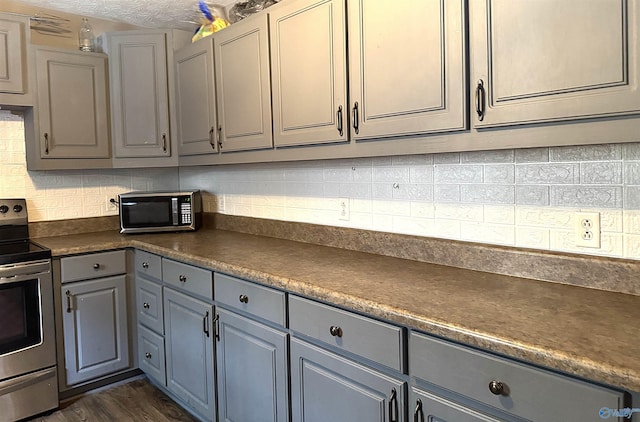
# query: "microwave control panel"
x,y
185,212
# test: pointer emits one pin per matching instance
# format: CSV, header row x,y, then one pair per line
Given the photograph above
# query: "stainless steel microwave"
x,y
150,212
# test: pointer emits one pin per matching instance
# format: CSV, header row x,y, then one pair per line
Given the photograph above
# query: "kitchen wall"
x,y
59,195
524,198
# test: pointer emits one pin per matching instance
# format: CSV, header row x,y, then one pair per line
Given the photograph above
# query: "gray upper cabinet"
x,y
308,72
195,93
243,85
139,93
541,61
13,75
72,104
407,79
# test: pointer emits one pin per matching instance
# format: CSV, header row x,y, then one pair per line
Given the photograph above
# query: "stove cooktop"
x,y
22,251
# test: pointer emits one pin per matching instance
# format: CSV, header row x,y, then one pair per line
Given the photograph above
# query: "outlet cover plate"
x,y
587,229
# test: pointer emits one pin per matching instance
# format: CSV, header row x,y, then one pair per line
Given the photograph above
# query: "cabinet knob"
x,y
145,265
244,299
147,355
182,278
145,305
335,331
498,388
96,266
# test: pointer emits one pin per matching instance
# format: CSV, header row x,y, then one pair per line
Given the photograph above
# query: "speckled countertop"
x,y
585,332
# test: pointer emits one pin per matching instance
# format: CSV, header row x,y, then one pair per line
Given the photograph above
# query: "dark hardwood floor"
x,y
135,401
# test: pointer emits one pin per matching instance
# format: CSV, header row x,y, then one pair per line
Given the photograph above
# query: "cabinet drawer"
x,y
188,278
149,304
254,299
366,337
151,354
148,264
95,265
529,392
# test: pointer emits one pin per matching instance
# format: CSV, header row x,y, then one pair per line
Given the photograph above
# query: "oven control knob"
x,y
17,208
4,209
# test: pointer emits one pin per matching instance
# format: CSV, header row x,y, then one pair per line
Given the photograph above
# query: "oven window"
x,y
20,316
143,212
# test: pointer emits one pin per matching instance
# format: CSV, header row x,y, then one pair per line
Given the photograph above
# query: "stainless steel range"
x,y
28,377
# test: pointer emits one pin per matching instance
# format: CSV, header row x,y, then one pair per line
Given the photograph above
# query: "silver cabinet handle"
x,y
211,141
68,294
182,278
147,355
145,265
145,305
335,331
205,323
498,388
164,142
46,143
339,120
244,299
220,137
393,406
418,415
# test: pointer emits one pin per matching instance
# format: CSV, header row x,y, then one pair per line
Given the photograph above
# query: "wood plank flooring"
x,y
135,401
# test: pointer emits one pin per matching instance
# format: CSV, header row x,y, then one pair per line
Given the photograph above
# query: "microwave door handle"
x,y
174,211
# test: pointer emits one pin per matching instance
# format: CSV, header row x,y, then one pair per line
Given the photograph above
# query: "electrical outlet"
x,y
343,209
111,206
587,229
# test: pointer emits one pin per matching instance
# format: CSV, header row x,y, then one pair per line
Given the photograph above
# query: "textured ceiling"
x,y
145,13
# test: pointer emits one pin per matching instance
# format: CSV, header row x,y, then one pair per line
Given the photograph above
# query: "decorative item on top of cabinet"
x,y
195,92
14,36
587,64
72,113
309,72
243,86
94,316
407,67
141,91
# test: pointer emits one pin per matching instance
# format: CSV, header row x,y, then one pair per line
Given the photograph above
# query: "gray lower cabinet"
x,y
93,315
94,322
252,370
328,387
497,386
189,336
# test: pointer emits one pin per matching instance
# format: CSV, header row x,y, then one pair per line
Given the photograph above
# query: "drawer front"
x,y
148,264
254,299
188,278
151,354
149,306
528,392
95,265
366,337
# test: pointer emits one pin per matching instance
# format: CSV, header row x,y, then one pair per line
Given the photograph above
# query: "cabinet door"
x,y
151,354
426,406
196,98
72,104
546,60
139,94
252,370
409,80
243,85
94,321
12,55
308,64
189,351
328,387
149,306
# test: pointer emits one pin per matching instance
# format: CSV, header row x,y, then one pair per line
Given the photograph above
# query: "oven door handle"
x,y
17,272
24,381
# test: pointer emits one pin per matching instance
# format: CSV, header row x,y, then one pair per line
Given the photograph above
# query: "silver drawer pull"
x,y
145,265
335,331
147,355
96,266
182,278
145,305
244,299
498,388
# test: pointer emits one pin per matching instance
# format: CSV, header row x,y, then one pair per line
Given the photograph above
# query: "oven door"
x,y
27,337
